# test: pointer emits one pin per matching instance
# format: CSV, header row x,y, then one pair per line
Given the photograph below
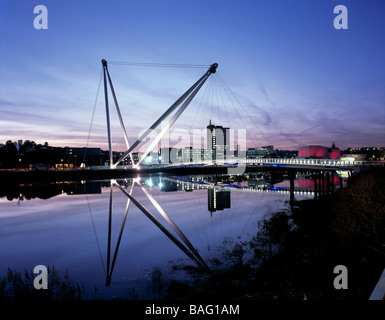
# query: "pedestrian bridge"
x,y
291,161
177,108
294,163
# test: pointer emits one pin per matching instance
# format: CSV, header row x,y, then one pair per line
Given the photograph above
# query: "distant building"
x,y
262,152
284,154
269,149
18,144
319,152
151,158
192,155
135,157
168,155
187,154
352,158
74,157
218,139
366,153
254,153
355,156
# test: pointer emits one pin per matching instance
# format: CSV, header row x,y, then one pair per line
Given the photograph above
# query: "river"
x,y
69,225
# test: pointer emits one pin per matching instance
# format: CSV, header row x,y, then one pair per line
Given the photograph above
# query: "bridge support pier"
x,y
315,175
324,183
292,177
323,178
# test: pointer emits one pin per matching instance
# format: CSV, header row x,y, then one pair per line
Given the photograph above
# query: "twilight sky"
x,y
299,79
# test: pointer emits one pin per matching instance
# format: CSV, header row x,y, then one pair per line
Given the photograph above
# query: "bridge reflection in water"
x,y
223,192
219,199
184,245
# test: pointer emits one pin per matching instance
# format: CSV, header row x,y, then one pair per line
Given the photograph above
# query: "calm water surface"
x,y
68,225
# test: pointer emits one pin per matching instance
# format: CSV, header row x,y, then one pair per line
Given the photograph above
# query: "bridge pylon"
x,y
182,103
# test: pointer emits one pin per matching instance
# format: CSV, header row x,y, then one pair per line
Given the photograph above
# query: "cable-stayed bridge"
x,y
175,111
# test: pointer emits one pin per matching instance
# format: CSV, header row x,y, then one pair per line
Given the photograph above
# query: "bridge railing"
x,y
266,161
296,161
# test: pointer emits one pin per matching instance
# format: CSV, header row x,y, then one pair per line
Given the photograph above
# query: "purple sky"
x,y
299,79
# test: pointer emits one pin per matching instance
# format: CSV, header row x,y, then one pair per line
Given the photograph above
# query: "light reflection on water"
x,y
70,230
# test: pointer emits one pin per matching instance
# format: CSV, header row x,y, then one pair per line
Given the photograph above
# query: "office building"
x,y
218,139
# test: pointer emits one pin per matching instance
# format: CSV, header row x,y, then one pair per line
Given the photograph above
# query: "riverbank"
x,y
294,253
54,175
57,175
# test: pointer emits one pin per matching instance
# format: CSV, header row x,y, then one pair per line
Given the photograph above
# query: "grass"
x,y
19,286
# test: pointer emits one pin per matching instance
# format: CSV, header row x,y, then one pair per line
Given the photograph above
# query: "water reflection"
x,y
187,247
256,181
30,191
218,199
59,223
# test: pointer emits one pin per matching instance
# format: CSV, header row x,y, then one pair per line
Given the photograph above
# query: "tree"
x,y
8,155
11,148
28,145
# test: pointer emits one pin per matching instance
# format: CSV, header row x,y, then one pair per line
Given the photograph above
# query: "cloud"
x,y
260,114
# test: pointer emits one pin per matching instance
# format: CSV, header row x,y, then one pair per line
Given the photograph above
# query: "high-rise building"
x,y
218,139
